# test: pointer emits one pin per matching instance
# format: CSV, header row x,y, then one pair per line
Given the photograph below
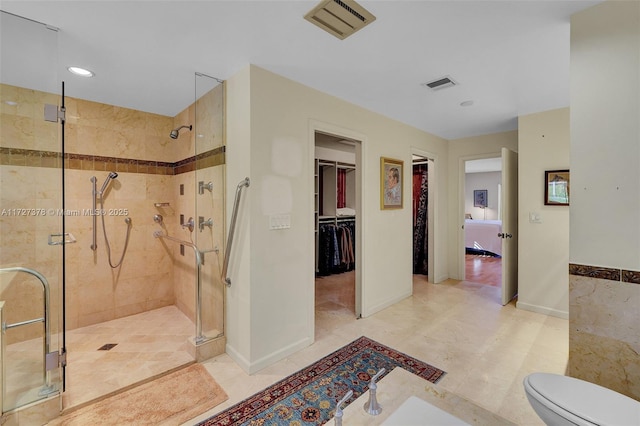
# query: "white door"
x,y
509,233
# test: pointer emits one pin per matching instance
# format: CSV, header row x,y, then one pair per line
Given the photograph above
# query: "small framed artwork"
x,y
556,187
480,198
390,183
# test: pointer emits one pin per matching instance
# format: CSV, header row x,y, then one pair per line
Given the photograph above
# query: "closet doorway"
x,y
423,216
337,194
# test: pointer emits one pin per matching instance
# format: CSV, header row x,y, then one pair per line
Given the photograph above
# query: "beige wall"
x,y
543,144
270,124
604,337
489,181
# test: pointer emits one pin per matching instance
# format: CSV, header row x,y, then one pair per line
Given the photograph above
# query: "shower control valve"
x,y
202,223
188,224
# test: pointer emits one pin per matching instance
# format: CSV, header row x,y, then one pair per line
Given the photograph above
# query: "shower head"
x,y
112,175
175,132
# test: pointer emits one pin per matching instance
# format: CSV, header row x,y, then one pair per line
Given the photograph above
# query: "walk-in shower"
x,y
135,175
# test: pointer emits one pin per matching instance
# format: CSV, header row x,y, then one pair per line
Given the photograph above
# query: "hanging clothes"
x,y
341,188
420,218
336,247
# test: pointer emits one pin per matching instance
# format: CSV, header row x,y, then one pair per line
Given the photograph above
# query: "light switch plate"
x,y
280,221
535,217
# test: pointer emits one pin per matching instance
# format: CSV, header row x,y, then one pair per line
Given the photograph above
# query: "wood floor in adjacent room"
x,y
483,269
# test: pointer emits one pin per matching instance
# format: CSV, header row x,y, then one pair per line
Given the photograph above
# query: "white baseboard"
x,y
543,310
265,361
381,306
237,357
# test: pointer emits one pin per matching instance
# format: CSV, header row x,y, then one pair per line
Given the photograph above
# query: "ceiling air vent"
x,y
340,18
441,83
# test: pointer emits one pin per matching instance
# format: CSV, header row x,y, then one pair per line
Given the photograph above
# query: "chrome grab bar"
x,y
46,319
199,337
245,182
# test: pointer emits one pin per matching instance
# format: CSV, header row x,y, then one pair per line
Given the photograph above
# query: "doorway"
x,y
422,170
424,200
336,204
497,232
483,221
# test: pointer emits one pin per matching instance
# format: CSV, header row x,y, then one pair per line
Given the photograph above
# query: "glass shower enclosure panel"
x,y
210,176
31,220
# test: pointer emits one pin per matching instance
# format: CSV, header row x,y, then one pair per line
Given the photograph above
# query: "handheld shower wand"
x,y
110,177
175,132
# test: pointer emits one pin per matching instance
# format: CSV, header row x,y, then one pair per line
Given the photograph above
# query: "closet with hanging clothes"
x,y
335,221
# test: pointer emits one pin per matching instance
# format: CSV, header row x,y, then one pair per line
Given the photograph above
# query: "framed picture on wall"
x,y
390,183
556,187
480,198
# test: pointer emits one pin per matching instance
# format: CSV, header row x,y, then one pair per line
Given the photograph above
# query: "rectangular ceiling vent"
x,y
340,18
441,83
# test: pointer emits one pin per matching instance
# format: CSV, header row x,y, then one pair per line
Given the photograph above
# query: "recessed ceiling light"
x,y
82,72
11,103
466,103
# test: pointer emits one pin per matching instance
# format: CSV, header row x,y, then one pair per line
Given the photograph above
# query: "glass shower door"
x,y
31,216
210,176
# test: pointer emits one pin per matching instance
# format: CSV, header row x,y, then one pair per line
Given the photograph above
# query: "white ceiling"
x,y
510,57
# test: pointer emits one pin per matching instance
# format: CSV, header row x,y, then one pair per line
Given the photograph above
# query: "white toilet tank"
x,y
566,400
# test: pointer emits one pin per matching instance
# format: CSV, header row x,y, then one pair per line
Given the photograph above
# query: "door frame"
x,y
432,209
360,149
461,208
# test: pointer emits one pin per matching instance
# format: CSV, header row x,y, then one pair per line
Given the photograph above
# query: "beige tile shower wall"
x,y
95,291
209,114
24,243
184,265
210,205
183,147
110,131
22,119
604,341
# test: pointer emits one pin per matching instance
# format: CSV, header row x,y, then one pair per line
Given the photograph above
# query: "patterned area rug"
x,y
309,396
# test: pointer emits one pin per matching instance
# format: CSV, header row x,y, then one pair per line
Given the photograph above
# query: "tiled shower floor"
x,y
147,344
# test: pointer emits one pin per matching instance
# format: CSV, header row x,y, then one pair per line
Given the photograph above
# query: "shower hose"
x,y
106,239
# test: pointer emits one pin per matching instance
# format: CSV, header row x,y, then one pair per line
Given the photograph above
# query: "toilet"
x,y
561,400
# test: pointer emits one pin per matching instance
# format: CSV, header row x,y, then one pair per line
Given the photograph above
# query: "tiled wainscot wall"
x,y
604,337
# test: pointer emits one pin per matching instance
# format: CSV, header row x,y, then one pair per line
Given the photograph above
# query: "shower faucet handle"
x,y
202,186
202,223
190,224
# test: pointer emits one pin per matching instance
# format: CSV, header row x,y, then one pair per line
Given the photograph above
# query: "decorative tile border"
x,y
632,277
33,158
610,274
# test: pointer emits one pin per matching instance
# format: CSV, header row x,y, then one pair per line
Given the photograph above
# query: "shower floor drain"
x,y
107,347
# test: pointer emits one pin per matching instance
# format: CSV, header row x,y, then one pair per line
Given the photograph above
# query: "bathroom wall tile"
x,y
606,308
46,136
605,361
631,276
604,341
594,272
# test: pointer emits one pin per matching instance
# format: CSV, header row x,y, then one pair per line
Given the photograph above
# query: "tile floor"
x,y
148,344
486,349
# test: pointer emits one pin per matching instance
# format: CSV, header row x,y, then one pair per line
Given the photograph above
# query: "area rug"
x,y
309,396
170,400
